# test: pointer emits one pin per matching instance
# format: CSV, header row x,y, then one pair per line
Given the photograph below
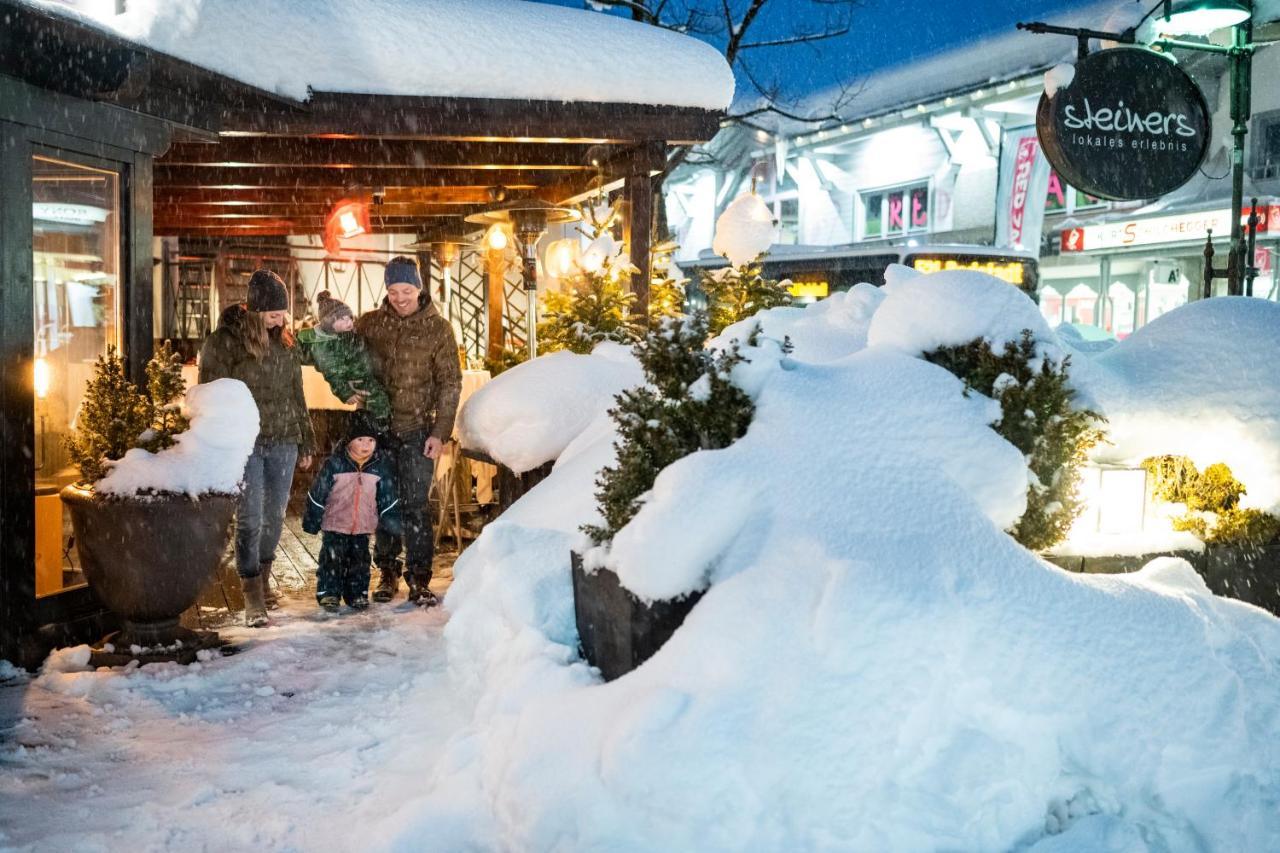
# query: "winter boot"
x,y
255,606
419,594
330,603
270,594
360,602
388,583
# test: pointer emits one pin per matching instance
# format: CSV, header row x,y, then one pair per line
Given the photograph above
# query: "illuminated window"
x,y
1062,197
896,211
76,242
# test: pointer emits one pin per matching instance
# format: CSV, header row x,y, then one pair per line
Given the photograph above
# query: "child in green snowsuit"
x,y
341,356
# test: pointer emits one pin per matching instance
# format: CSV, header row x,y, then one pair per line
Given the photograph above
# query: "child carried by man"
x,y
340,355
352,495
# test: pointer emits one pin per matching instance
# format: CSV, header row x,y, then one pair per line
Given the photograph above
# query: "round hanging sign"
x,y
1131,125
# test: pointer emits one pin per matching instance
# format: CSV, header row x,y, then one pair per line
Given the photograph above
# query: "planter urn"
x,y
147,558
617,631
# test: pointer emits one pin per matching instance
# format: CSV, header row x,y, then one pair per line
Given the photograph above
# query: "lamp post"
x,y
1201,17
528,219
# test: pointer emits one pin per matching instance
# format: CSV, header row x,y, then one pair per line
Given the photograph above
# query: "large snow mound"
x,y
826,330
529,414
445,48
922,312
1199,381
876,665
208,457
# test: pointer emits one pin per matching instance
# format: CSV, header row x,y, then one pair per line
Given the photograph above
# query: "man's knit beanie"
x,y
402,270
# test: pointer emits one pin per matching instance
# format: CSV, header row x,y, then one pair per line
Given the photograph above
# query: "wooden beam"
x,y
310,151
254,196
283,177
313,210
408,117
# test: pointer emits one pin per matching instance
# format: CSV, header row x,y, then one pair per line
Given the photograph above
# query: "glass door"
x,y
76,242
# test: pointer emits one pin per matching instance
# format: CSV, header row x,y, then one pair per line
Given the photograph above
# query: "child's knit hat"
x,y
360,426
330,310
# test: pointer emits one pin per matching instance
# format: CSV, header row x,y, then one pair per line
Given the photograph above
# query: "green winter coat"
x,y
275,382
347,366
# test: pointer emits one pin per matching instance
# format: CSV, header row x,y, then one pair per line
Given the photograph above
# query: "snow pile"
x,y
425,47
1058,77
744,231
1201,382
876,666
529,414
923,312
208,457
822,331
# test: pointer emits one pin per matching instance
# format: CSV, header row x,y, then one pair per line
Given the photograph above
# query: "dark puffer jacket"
x,y
417,362
275,382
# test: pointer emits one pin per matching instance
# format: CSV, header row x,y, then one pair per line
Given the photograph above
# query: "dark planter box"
x,y
1247,573
616,630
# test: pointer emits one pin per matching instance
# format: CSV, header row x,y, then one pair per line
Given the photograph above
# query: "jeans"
x,y
268,476
412,472
344,567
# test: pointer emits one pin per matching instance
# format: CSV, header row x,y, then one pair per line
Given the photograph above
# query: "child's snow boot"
x,y
360,602
255,605
330,603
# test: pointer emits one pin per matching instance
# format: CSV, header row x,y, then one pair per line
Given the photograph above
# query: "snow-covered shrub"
x,y
689,402
736,293
112,418
1212,498
165,387
1037,417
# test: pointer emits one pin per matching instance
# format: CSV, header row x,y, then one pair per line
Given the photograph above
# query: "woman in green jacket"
x,y
253,343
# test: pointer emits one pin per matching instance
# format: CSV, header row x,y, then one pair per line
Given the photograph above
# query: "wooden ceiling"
x,y
427,165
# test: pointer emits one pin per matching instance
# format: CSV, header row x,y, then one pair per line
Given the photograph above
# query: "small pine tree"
x,y
1038,418
166,388
111,419
736,293
689,403
598,308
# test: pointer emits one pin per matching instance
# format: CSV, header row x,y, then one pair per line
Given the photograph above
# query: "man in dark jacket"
x,y
417,362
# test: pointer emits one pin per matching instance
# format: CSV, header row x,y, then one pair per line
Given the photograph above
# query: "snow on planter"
x,y
1200,382
877,666
444,48
209,457
744,231
529,414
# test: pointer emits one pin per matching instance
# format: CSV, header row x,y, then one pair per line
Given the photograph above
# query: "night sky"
x,y
885,32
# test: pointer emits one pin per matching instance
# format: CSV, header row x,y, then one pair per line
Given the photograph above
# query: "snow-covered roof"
x,y
506,49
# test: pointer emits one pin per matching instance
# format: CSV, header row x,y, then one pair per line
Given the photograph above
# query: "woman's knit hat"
x,y
330,310
267,292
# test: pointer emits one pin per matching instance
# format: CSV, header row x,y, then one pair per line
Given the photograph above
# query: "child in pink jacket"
x,y
351,496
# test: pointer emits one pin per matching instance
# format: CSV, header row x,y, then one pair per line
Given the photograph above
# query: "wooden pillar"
x,y
638,195
496,267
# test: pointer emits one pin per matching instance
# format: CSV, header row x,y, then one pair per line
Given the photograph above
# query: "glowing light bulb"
x,y
41,378
496,238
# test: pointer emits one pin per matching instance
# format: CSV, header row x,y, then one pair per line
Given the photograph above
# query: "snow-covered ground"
x,y
308,739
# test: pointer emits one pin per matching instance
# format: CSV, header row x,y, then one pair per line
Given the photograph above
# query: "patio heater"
x,y
528,219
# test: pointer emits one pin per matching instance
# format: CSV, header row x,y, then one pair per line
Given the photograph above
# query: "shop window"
x,y
76,243
1064,198
788,213
896,211
1265,162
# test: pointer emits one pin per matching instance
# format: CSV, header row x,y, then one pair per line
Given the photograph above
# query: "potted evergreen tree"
x,y
688,403
148,534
